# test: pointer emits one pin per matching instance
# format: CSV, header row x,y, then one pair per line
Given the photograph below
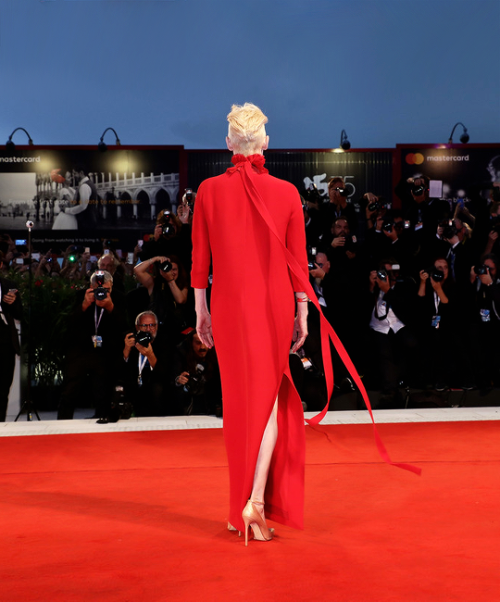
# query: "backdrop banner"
x,y
365,171
78,195
456,173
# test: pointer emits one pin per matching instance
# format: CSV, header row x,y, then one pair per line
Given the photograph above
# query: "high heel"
x,y
231,528
253,519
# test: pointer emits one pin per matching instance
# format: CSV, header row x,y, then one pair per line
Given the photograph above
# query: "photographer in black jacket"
x,y
393,342
145,370
95,336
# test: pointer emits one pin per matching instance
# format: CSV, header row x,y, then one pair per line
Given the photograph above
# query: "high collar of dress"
x,y
257,161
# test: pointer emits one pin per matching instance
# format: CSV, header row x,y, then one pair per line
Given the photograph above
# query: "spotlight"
x,y
344,142
11,146
464,138
102,146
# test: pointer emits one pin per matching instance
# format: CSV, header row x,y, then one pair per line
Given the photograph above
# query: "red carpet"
x,y
140,517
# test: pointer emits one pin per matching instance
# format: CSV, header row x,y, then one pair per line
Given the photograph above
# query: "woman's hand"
x,y
424,275
299,331
204,328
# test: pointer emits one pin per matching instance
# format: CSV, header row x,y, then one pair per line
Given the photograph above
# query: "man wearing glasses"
x,y
145,369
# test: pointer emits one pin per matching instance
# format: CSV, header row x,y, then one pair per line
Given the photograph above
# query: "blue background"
x,y
167,71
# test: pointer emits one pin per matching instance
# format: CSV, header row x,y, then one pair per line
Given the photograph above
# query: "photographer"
x,y
437,315
95,335
10,310
172,236
145,369
167,286
485,285
419,209
492,243
339,206
387,238
393,343
197,384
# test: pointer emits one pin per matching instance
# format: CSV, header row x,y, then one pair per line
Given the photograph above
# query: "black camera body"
x,y
311,257
418,190
100,293
195,380
481,270
382,274
387,226
435,273
143,338
378,205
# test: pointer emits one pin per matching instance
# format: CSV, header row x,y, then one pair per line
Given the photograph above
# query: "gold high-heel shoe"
x,y
253,519
231,528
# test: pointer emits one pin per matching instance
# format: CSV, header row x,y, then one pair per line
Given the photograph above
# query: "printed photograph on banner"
x,y
84,191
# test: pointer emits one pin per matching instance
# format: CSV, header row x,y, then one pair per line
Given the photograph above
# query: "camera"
x,y
143,338
100,293
168,230
378,205
435,273
382,274
481,270
312,195
189,195
418,190
120,407
195,380
166,266
311,256
387,226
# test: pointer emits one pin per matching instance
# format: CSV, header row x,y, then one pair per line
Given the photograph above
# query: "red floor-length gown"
x,y
253,308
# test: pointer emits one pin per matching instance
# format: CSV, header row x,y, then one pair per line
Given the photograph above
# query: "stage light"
x,y
102,146
464,138
344,142
11,146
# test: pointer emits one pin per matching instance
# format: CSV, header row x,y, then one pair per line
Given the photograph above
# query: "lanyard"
x,y
97,321
437,301
142,361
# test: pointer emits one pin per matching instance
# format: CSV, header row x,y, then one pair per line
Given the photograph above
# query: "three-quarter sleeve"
x,y
201,244
296,241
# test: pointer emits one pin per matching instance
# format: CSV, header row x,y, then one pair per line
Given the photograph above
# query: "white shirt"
x,y
387,319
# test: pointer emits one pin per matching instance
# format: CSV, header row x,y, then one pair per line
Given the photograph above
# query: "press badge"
x,y
97,340
485,315
435,321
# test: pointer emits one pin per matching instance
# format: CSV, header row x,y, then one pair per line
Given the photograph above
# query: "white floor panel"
x,y
50,426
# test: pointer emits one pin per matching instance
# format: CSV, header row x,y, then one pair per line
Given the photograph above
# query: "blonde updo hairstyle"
x,y
246,132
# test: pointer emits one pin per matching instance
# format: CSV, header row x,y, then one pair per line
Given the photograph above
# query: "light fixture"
x,y
11,146
102,146
464,138
344,142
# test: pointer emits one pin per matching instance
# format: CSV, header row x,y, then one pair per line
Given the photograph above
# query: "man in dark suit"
x,y
95,335
10,310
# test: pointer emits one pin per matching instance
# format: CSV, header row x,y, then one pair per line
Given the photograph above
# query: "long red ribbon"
x,y
327,331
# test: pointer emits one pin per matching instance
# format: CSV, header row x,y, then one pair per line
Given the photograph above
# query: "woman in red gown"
x,y
244,221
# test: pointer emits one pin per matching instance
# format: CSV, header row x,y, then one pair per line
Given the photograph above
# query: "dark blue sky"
x,y
167,71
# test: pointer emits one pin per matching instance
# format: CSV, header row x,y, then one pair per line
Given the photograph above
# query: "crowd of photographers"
x,y
413,293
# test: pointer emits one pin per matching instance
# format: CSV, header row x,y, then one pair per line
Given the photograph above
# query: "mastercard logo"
x,y
414,159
